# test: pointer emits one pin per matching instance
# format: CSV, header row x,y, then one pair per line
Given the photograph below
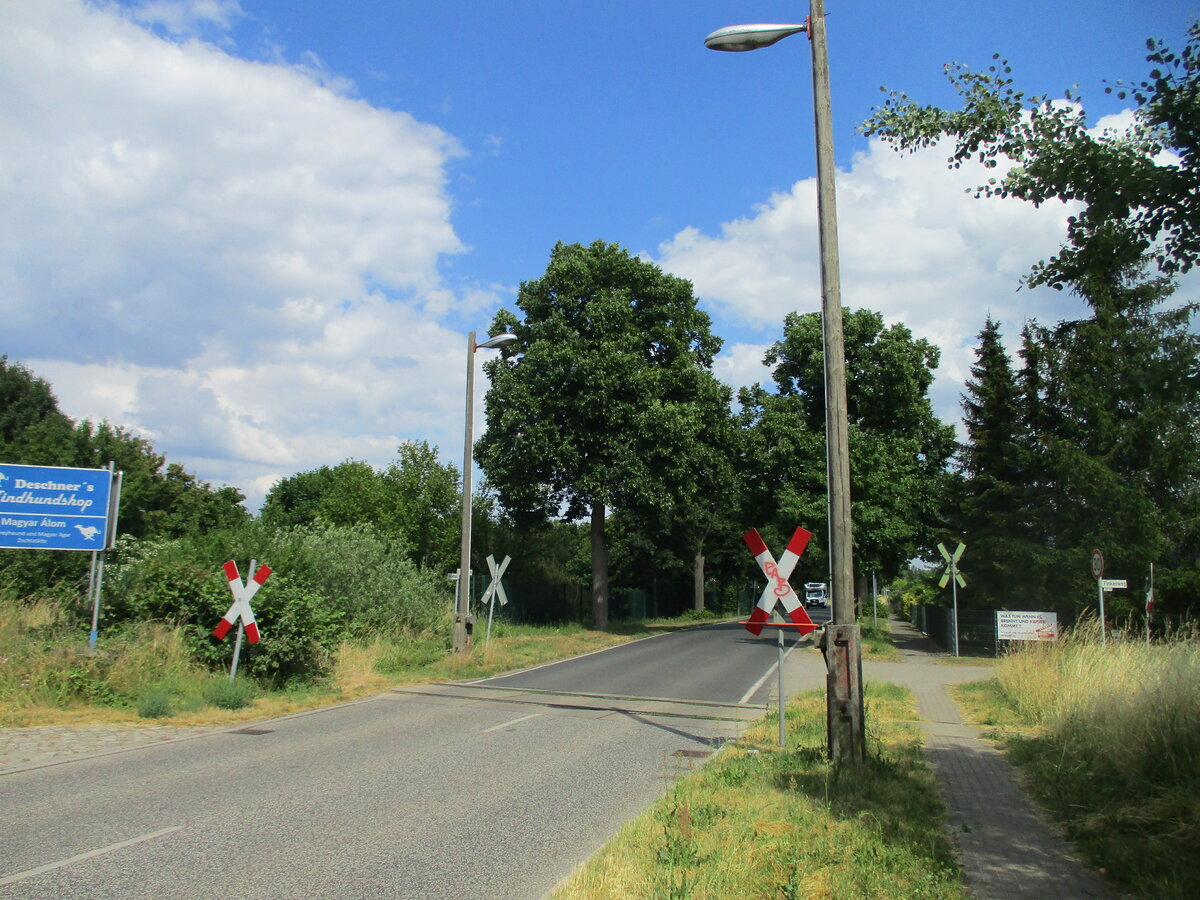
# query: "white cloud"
x,y
741,365
186,18
914,245
227,257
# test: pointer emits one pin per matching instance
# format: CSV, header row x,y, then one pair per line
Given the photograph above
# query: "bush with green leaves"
x,y
155,704
225,693
327,583
915,587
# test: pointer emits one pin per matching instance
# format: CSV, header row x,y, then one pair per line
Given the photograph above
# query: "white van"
x,y
814,594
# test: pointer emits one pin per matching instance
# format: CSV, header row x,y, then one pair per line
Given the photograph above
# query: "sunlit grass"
x,y
48,677
761,821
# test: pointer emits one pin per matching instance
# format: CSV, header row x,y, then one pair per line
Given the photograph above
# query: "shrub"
x,y
155,704
225,694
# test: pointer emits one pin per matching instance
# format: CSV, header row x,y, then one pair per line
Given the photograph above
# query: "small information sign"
x,y
1113,584
1026,626
53,508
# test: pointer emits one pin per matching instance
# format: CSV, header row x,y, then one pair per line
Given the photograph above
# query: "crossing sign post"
x,y
1098,574
494,590
240,611
778,590
954,578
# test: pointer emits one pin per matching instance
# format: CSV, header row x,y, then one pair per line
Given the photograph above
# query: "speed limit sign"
x,y
1097,564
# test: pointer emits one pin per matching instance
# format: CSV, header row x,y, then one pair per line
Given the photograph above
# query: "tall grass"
x,y
1117,753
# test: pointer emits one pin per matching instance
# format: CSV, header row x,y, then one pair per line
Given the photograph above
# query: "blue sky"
x,y
256,232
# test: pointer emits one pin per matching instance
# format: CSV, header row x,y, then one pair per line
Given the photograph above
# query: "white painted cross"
x,y
778,589
496,588
241,601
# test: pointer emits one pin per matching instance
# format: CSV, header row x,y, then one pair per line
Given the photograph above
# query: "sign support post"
x,y
237,641
952,573
1149,604
1098,574
98,557
782,722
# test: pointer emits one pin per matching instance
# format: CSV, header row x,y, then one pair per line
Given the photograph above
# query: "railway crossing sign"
x,y
952,565
953,573
778,589
242,593
494,590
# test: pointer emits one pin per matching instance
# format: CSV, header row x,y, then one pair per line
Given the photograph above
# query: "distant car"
x,y
814,594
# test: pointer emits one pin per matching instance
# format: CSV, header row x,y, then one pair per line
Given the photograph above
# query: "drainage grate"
x,y
694,754
253,731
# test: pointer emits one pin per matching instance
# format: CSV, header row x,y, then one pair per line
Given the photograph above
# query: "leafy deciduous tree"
x,y
606,396
1135,201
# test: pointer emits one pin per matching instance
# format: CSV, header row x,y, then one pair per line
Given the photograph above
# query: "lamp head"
x,y
494,343
738,38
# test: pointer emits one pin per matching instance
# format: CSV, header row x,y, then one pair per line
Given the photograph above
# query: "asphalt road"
x,y
493,790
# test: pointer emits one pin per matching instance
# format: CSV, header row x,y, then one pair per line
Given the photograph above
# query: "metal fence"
x,y
976,628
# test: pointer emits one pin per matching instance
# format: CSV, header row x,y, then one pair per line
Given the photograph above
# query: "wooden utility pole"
x,y
841,644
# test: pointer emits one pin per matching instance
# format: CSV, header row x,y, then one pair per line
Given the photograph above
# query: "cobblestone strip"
x,y
25,748
1006,848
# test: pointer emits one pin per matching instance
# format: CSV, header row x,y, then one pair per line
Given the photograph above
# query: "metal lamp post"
x,y
841,642
462,611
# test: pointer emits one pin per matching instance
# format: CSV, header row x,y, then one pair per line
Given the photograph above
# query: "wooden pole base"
x,y
842,648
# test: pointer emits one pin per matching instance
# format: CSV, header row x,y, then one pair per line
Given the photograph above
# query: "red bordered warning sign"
x,y
241,601
778,589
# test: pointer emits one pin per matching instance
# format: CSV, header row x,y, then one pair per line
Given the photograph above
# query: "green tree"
x,y
1134,203
32,430
414,501
423,497
995,509
296,500
1112,405
155,501
605,397
898,447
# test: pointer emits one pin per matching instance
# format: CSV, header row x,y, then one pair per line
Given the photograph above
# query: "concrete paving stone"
x,y
1006,847
26,748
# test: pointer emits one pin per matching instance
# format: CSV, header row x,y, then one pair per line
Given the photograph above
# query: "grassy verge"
x,y
770,822
877,639
1109,738
144,672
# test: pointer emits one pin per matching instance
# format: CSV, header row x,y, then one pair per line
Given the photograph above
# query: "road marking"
x,y
513,722
29,873
753,690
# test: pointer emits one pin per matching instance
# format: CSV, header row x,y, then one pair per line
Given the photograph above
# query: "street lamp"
x,y
462,610
842,648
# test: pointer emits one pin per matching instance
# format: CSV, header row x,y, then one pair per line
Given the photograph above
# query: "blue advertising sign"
x,y
53,508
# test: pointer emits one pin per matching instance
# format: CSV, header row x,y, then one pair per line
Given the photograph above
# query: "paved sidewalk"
x,y
47,745
1006,848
